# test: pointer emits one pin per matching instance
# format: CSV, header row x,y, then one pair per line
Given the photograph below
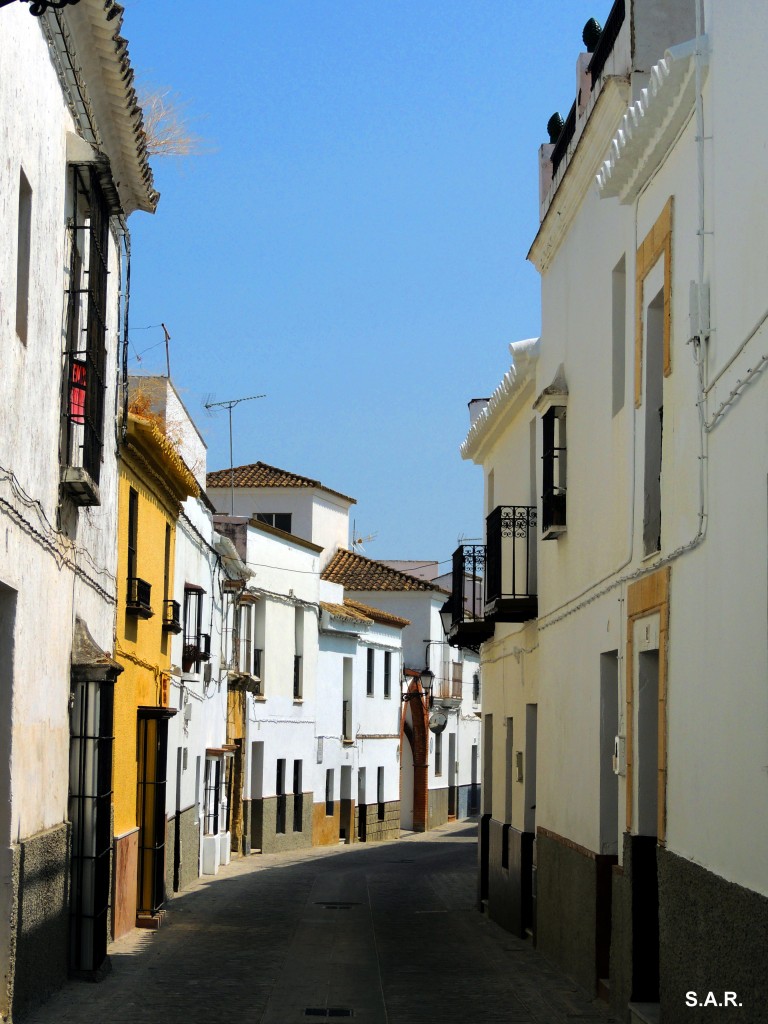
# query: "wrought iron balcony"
x,y
467,601
171,617
138,600
449,690
196,649
510,576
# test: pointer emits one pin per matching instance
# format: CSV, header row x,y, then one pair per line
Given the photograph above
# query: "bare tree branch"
x,y
166,128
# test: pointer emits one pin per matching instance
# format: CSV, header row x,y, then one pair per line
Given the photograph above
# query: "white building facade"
x,y
635,429
74,167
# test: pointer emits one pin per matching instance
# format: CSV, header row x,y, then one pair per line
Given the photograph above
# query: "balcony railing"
x,y
196,649
510,580
171,617
138,601
448,689
467,600
606,41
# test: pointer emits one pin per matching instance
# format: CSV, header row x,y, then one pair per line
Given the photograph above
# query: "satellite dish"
x,y
437,721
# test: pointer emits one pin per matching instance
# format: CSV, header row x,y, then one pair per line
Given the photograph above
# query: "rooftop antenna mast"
x,y
229,406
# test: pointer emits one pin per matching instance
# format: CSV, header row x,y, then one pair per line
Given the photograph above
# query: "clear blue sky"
x,y
353,241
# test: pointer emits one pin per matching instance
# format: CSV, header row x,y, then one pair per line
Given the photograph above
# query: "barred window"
x,y
86,320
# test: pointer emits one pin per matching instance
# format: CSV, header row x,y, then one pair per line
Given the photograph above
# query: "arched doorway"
x,y
406,783
414,738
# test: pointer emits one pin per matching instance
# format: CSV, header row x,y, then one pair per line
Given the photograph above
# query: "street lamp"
x,y
446,616
426,679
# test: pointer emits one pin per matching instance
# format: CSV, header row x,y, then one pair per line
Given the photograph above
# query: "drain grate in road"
x,y
336,906
332,1011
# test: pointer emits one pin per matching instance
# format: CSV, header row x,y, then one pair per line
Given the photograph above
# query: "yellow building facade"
x,y
153,481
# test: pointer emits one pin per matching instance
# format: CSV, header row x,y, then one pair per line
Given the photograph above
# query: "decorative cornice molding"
x,y
579,171
651,124
525,355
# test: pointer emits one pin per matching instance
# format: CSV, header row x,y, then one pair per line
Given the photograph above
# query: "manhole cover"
x,y
332,1011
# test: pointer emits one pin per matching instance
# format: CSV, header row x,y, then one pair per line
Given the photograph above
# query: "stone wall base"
x,y
573,907
437,808
40,953
380,829
510,863
713,937
264,823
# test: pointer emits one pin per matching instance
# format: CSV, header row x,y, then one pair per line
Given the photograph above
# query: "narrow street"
x,y
379,933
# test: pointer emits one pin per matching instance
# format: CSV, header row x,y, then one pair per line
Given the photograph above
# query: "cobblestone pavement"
x,y
387,931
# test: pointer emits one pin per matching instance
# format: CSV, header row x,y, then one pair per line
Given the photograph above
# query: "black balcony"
x,y
138,600
196,649
510,572
171,617
469,628
606,42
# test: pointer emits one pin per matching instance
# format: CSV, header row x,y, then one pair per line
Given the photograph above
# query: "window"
x,y
369,673
23,252
259,624
298,666
245,638
86,323
280,520
298,798
197,645
438,753
133,533
380,793
553,510
388,674
618,326
476,688
654,424
280,791
139,592
212,796
329,792
346,705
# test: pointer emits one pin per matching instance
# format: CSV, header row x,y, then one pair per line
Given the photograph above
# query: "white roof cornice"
x,y
580,171
652,123
91,58
525,355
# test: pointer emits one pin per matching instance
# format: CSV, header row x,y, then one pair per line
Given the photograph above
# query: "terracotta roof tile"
x,y
341,611
355,572
377,614
259,474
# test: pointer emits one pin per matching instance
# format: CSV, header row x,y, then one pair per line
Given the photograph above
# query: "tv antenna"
x,y
358,542
229,405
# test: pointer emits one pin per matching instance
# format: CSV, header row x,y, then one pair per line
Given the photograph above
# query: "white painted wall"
x,y
717,718
317,515
38,561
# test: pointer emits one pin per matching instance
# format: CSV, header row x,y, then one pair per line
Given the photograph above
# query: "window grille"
x,y
369,673
554,471
86,323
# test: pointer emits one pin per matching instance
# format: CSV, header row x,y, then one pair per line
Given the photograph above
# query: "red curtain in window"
x,y
77,393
